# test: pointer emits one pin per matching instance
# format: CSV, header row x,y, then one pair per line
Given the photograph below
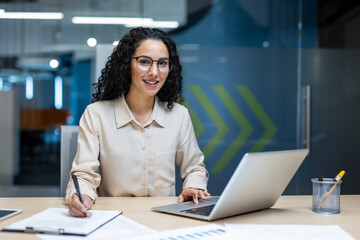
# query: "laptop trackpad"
x,y
178,207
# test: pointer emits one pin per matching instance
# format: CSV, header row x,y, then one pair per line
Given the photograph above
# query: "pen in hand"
x,y
78,190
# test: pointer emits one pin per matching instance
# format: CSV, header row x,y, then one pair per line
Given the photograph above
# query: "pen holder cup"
x,y
326,196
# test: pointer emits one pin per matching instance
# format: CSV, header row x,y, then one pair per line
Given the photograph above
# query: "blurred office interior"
x,y
259,75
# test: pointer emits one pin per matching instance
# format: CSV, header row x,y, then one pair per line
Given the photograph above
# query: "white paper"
x,y
204,232
119,228
279,232
53,219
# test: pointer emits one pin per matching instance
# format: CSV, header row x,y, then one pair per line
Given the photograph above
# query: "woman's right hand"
x,y
76,208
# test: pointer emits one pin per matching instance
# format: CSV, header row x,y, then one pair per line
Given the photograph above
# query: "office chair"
x,y
68,146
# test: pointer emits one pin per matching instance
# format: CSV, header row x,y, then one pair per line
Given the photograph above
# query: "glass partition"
x,y
246,65
241,63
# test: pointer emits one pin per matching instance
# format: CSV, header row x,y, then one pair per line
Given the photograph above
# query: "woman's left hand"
x,y
192,194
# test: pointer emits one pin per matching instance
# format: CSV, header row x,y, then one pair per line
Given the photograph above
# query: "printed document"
x,y
59,221
285,231
205,232
119,228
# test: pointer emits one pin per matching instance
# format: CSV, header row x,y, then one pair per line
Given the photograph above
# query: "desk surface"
x,y
288,210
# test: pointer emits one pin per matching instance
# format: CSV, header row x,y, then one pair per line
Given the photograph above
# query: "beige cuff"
x,y
199,182
84,189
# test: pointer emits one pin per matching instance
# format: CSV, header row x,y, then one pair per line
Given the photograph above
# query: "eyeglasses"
x,y
144,64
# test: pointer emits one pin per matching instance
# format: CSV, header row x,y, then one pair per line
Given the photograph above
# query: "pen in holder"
x,y
326,196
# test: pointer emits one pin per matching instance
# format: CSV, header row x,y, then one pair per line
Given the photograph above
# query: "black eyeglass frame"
x,y
152,62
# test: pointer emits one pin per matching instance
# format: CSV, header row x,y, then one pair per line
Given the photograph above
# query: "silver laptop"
x,y
257,183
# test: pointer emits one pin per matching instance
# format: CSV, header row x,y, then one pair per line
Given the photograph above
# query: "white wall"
x,y
9,137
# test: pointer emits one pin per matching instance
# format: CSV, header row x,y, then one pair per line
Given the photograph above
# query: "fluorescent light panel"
x,y
166,24
109,20
156,24
128,22
29,87
58,101
32,15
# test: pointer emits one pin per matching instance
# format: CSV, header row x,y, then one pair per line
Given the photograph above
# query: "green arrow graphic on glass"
x,y
270,128
222,128
198,126
246,129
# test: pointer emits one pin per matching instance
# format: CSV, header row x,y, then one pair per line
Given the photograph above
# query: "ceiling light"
x,y
91,42
29,87
58,96
32,15
54,63
115,43
110,20
166,24
156,24
128,22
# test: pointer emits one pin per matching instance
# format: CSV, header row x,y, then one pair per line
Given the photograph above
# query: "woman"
x,y
134,132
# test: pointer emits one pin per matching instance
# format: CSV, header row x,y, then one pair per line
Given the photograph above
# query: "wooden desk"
x,y
288,210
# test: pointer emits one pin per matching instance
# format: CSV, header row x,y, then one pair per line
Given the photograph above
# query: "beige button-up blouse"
x,y
117,156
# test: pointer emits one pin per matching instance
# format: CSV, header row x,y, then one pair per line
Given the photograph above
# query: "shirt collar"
x,y
123,114
159,111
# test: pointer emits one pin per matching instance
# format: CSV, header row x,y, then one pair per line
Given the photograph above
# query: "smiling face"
x,y
148,83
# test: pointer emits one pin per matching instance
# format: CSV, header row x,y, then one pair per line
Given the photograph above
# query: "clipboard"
x,y
59,221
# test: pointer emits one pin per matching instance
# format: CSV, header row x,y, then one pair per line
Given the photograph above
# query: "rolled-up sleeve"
x,y
86,161
189,157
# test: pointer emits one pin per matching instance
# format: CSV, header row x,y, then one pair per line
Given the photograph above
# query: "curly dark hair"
x,y
115,78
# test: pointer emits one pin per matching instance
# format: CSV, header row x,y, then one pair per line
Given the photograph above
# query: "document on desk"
x,y
119,228
59,221
286,231
203,232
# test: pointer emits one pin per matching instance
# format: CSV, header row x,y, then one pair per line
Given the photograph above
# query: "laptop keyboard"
x,y
204,211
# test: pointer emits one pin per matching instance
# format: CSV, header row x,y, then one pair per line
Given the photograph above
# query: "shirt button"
x,y
144,166
142,130
143,147
144,184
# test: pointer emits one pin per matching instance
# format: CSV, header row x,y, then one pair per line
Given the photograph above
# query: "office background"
x,y
258,76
